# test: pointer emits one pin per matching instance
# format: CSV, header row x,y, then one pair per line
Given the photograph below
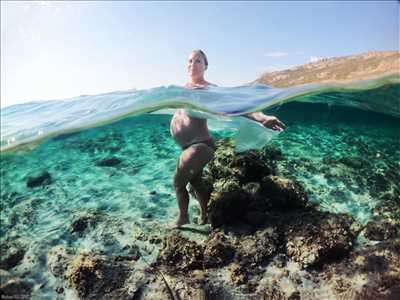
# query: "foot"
x,y
181,221
203,219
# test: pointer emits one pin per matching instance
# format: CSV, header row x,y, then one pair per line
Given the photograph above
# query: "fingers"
x,y
273,123
277,128
281,124
277,125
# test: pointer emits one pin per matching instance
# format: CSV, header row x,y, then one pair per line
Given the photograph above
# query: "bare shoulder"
x,y
190,85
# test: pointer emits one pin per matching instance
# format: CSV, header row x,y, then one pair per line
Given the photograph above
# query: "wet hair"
x,y
204,56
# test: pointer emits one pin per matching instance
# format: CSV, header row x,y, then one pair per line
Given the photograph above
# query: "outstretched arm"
x,y
268,121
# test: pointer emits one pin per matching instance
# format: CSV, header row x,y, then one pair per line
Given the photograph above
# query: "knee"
x,y
178,184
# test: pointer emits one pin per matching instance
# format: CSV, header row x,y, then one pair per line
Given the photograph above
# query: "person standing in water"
x,y
197,144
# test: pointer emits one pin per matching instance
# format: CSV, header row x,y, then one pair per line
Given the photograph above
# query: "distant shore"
x,y
342,69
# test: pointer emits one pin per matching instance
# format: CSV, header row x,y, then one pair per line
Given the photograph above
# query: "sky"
x,y
60,49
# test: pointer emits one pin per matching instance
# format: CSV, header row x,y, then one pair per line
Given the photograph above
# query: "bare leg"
x,y
201,196
182,197
190,164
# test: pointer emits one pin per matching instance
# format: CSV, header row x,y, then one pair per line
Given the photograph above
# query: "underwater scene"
x,y
314,213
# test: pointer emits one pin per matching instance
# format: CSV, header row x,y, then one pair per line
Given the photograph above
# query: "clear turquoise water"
x,y
347,159
34,122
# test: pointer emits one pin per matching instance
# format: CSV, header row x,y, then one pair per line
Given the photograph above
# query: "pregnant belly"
x,y
186,133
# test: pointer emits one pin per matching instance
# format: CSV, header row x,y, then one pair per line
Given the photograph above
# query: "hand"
x,y
273,122
268,121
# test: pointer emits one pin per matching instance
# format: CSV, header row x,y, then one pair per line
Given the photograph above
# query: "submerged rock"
x,y
16,288
5,275
255,249
25,212
86,220
379,229
95,277
181,254
238,274
372,272
109,162
385,223
42,178
254,218
314,238
11,254
245,167
228,202
58,259
218,250
232,203
244,187
283,193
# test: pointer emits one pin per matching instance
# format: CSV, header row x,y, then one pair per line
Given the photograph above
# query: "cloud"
x,y
277,54
315,58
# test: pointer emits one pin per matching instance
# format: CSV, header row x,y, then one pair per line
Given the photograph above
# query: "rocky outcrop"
x,y
283,194
316,238
228,202
244,188
94,276
246,167
337,69
253,250
181,254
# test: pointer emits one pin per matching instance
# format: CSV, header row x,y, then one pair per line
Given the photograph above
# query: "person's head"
x,y
197,64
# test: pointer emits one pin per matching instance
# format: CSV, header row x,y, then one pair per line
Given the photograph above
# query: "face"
x,y
196,65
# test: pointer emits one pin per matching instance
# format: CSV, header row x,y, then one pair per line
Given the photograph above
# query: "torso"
x,y
187,130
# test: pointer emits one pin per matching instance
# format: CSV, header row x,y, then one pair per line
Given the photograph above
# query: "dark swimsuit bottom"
x,y
209,142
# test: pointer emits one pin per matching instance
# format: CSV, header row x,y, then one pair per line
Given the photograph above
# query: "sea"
x,y
112,154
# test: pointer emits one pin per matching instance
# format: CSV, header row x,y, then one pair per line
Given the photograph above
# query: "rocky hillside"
x,y
336,69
